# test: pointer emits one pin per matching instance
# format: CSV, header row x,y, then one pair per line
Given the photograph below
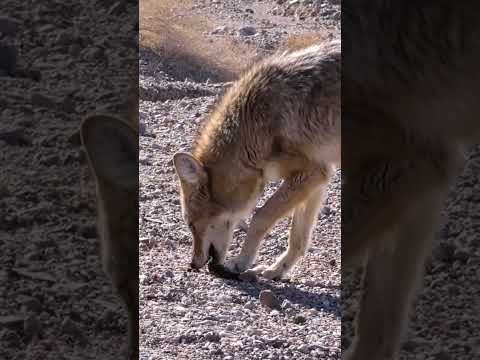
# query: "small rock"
x,y
219,30
274,313
267,298
304,349
250,305
247,31
286,304
212,337
187,338
275,342
326,210
299,319
144,161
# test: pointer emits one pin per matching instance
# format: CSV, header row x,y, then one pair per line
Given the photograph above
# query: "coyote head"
x,y
210,219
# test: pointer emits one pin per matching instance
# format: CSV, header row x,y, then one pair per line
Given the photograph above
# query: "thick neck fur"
x,y
238,118
235,141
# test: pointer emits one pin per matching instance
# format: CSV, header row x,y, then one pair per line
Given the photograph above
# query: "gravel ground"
x,y
187,315
71,58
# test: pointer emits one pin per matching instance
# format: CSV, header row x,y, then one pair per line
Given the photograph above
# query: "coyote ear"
x,y
112,150
188,169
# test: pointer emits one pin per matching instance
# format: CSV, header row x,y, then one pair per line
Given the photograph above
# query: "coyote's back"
x,y
289,100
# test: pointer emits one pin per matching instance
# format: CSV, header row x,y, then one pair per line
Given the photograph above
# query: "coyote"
x,y
280,120
111,146
409,108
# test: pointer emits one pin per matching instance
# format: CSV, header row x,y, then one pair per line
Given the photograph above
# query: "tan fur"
x,y
280,120
111,145
410,75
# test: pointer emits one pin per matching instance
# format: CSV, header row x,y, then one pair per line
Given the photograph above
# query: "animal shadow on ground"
x,y
324,302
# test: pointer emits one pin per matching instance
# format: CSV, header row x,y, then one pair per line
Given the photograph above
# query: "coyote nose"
x,y
193,266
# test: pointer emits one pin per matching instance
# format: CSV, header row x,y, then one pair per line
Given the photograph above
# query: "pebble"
x,y
267,298
219,30
250,305
212,337
299,319
247,31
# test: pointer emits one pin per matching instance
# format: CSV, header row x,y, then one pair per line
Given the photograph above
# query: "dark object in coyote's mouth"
x,y
217,269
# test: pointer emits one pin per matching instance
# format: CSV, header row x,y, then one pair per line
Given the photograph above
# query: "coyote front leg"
x,y
304,189
303,222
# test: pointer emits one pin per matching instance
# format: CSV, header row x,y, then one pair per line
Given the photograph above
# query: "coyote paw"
x,y
238,264
268,272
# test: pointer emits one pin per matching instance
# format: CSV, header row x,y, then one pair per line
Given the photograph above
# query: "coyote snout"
x,y
199,261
